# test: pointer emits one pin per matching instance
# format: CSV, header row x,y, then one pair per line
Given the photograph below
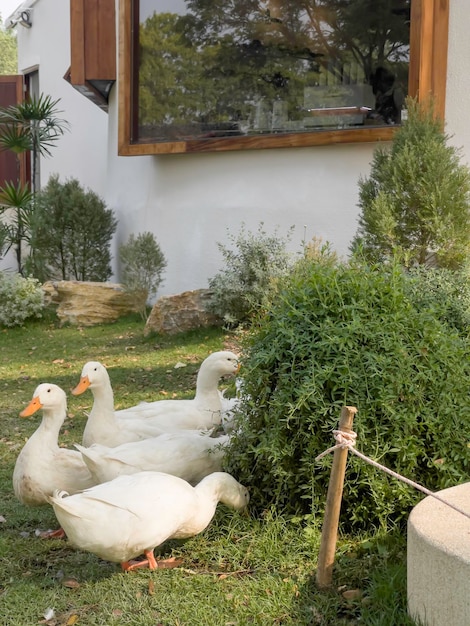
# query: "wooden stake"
x,y
326,556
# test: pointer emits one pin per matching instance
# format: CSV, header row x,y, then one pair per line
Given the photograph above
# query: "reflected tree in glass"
x,y
250,67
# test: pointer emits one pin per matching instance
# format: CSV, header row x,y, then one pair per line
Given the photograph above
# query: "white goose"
x,y
111,428
42,465
189,454
202,411
132,515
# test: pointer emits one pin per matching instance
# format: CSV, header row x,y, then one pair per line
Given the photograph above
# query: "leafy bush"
x,y
339,335
143,263
416,201
20,299
71,233
255,261
444,291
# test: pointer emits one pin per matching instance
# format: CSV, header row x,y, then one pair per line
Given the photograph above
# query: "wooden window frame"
x,y
427,77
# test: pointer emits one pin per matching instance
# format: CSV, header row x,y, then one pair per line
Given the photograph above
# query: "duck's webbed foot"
x,y
52,534
151,563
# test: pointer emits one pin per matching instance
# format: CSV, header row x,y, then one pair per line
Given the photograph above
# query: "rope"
x,y
348,440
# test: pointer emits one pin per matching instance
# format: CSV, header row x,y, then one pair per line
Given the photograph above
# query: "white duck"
x,y
102,425
202,411
111,428
189,454
42,465
131,515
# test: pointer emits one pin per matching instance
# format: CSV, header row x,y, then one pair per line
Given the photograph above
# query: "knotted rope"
x,y
348,440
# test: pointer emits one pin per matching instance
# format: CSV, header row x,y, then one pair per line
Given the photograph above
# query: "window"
x,y
200,76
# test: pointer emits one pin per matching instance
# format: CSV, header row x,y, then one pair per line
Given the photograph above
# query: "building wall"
x,y
189,201
458,78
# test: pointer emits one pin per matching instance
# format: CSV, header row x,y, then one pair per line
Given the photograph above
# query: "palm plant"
x,y
29,126
32,126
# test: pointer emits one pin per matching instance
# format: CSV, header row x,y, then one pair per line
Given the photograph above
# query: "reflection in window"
x,y
212,68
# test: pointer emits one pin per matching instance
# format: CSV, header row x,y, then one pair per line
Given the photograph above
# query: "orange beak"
x,y
32,407
82,386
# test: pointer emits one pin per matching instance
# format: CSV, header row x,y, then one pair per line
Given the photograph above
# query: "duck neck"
x,y
203,511
103,402
207,390
49,428
101,417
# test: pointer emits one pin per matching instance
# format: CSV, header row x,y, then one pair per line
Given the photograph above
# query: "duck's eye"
x,y
49,390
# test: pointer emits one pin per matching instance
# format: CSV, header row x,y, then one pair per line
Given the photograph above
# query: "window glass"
x,y
234,68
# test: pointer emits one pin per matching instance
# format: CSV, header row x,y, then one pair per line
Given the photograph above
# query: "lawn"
x,y
239,571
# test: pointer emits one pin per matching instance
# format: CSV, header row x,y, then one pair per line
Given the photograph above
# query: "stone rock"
x,y
88,303
185,311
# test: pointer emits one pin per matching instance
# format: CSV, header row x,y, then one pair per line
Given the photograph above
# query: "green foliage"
x,y
444,291
252,265
338,335
20,299
71,233
8,51
416,201
143,263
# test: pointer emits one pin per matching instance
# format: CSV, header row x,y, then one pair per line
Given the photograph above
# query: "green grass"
x,y
240,571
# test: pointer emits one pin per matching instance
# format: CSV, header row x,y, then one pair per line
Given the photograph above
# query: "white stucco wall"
x,y
458,77
189,201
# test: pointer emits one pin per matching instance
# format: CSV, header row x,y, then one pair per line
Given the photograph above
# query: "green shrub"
x,y
339,335
443,291
416,201
71,232
143,263
252,264
20,299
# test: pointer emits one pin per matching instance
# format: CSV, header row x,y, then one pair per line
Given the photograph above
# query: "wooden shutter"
x,y
12,167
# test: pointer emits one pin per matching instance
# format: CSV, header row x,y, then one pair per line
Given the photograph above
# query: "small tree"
x,y
143,263
416,201
71,232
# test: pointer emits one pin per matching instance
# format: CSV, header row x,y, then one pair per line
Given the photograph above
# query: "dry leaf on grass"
x,y
352,594
71,583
